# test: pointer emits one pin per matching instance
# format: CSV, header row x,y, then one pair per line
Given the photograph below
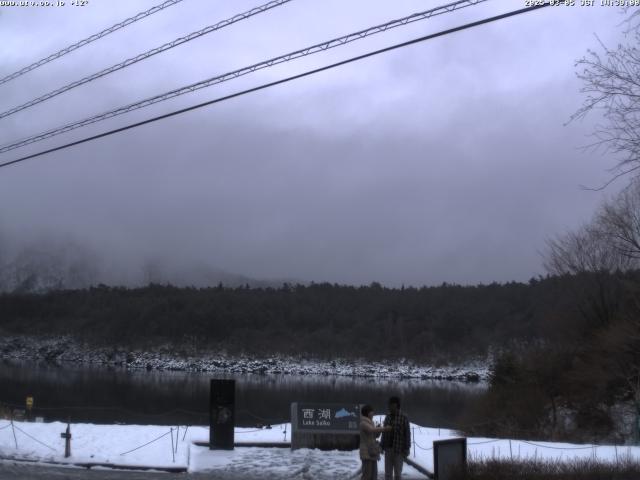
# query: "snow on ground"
x,y
63,349
115,444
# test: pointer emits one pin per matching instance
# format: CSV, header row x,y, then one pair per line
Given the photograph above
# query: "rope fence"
x,y
33,438
558,448
421,447
511,445
486,441
174,444
148,443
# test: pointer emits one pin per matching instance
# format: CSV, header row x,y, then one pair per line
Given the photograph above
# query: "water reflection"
x,y
108,395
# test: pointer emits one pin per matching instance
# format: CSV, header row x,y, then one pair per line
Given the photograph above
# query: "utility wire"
x,y
149,53
284,80
92,38
336,42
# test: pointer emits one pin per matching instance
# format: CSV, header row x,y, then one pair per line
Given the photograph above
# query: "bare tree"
x,y
588,255
611,82
608,244
619,222
587,250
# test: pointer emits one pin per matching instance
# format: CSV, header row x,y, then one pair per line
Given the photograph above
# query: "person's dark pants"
x,y
393,462
369,470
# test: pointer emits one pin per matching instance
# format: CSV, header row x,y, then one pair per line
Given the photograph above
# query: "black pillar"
x,y
222,414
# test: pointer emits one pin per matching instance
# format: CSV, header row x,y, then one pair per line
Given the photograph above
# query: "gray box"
x,y
449,456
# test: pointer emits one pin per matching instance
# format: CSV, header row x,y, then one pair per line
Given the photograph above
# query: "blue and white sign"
x,y
326,417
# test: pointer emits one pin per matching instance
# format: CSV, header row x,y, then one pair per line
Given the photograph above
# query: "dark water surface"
x,y
109,395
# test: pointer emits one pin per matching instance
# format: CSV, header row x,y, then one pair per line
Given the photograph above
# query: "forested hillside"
x,y
432,324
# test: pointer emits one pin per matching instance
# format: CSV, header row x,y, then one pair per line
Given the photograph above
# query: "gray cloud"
x,y
446,161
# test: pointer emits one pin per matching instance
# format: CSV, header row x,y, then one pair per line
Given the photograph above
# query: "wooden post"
x,y
67,441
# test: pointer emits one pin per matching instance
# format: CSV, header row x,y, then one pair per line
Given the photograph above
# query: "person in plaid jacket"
x,y
395,444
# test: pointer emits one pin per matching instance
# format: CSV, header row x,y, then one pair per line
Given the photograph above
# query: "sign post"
x,y
222,414
29,405
327,426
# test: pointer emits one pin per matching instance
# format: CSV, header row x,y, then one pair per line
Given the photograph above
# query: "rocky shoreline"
x,y
66,349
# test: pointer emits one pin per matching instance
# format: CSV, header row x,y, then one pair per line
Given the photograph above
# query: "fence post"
x,y
510,450
14,432
177,433
413,437
67,441
172,452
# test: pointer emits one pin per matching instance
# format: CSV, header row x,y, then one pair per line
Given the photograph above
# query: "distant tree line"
x,y
430,324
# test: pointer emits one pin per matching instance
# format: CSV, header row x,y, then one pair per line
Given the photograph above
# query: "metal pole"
x,y
413,437
177,433
14,432
172,452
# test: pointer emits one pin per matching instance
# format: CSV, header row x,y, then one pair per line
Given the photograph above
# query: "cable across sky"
x,y
281,81
320,47
143,56
88,40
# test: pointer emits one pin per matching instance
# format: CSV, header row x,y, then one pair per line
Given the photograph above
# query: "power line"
x,y
284,80
92,38
143,56
336,42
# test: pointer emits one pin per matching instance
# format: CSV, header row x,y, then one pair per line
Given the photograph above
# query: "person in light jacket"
x,y
369,447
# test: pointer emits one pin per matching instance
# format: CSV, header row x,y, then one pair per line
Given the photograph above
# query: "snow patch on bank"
x,y
64,349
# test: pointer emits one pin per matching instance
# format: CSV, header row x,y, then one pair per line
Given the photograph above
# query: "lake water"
x,y
109,395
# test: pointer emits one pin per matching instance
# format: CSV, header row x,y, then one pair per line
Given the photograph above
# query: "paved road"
x,y
21,471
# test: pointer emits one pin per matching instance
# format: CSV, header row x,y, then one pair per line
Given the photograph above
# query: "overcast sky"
x,y
443,161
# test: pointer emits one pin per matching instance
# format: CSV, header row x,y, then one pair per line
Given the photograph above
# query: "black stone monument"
x,y
222,398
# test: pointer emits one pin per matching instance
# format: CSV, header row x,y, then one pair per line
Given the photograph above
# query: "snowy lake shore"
x,y
162,447
64,349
